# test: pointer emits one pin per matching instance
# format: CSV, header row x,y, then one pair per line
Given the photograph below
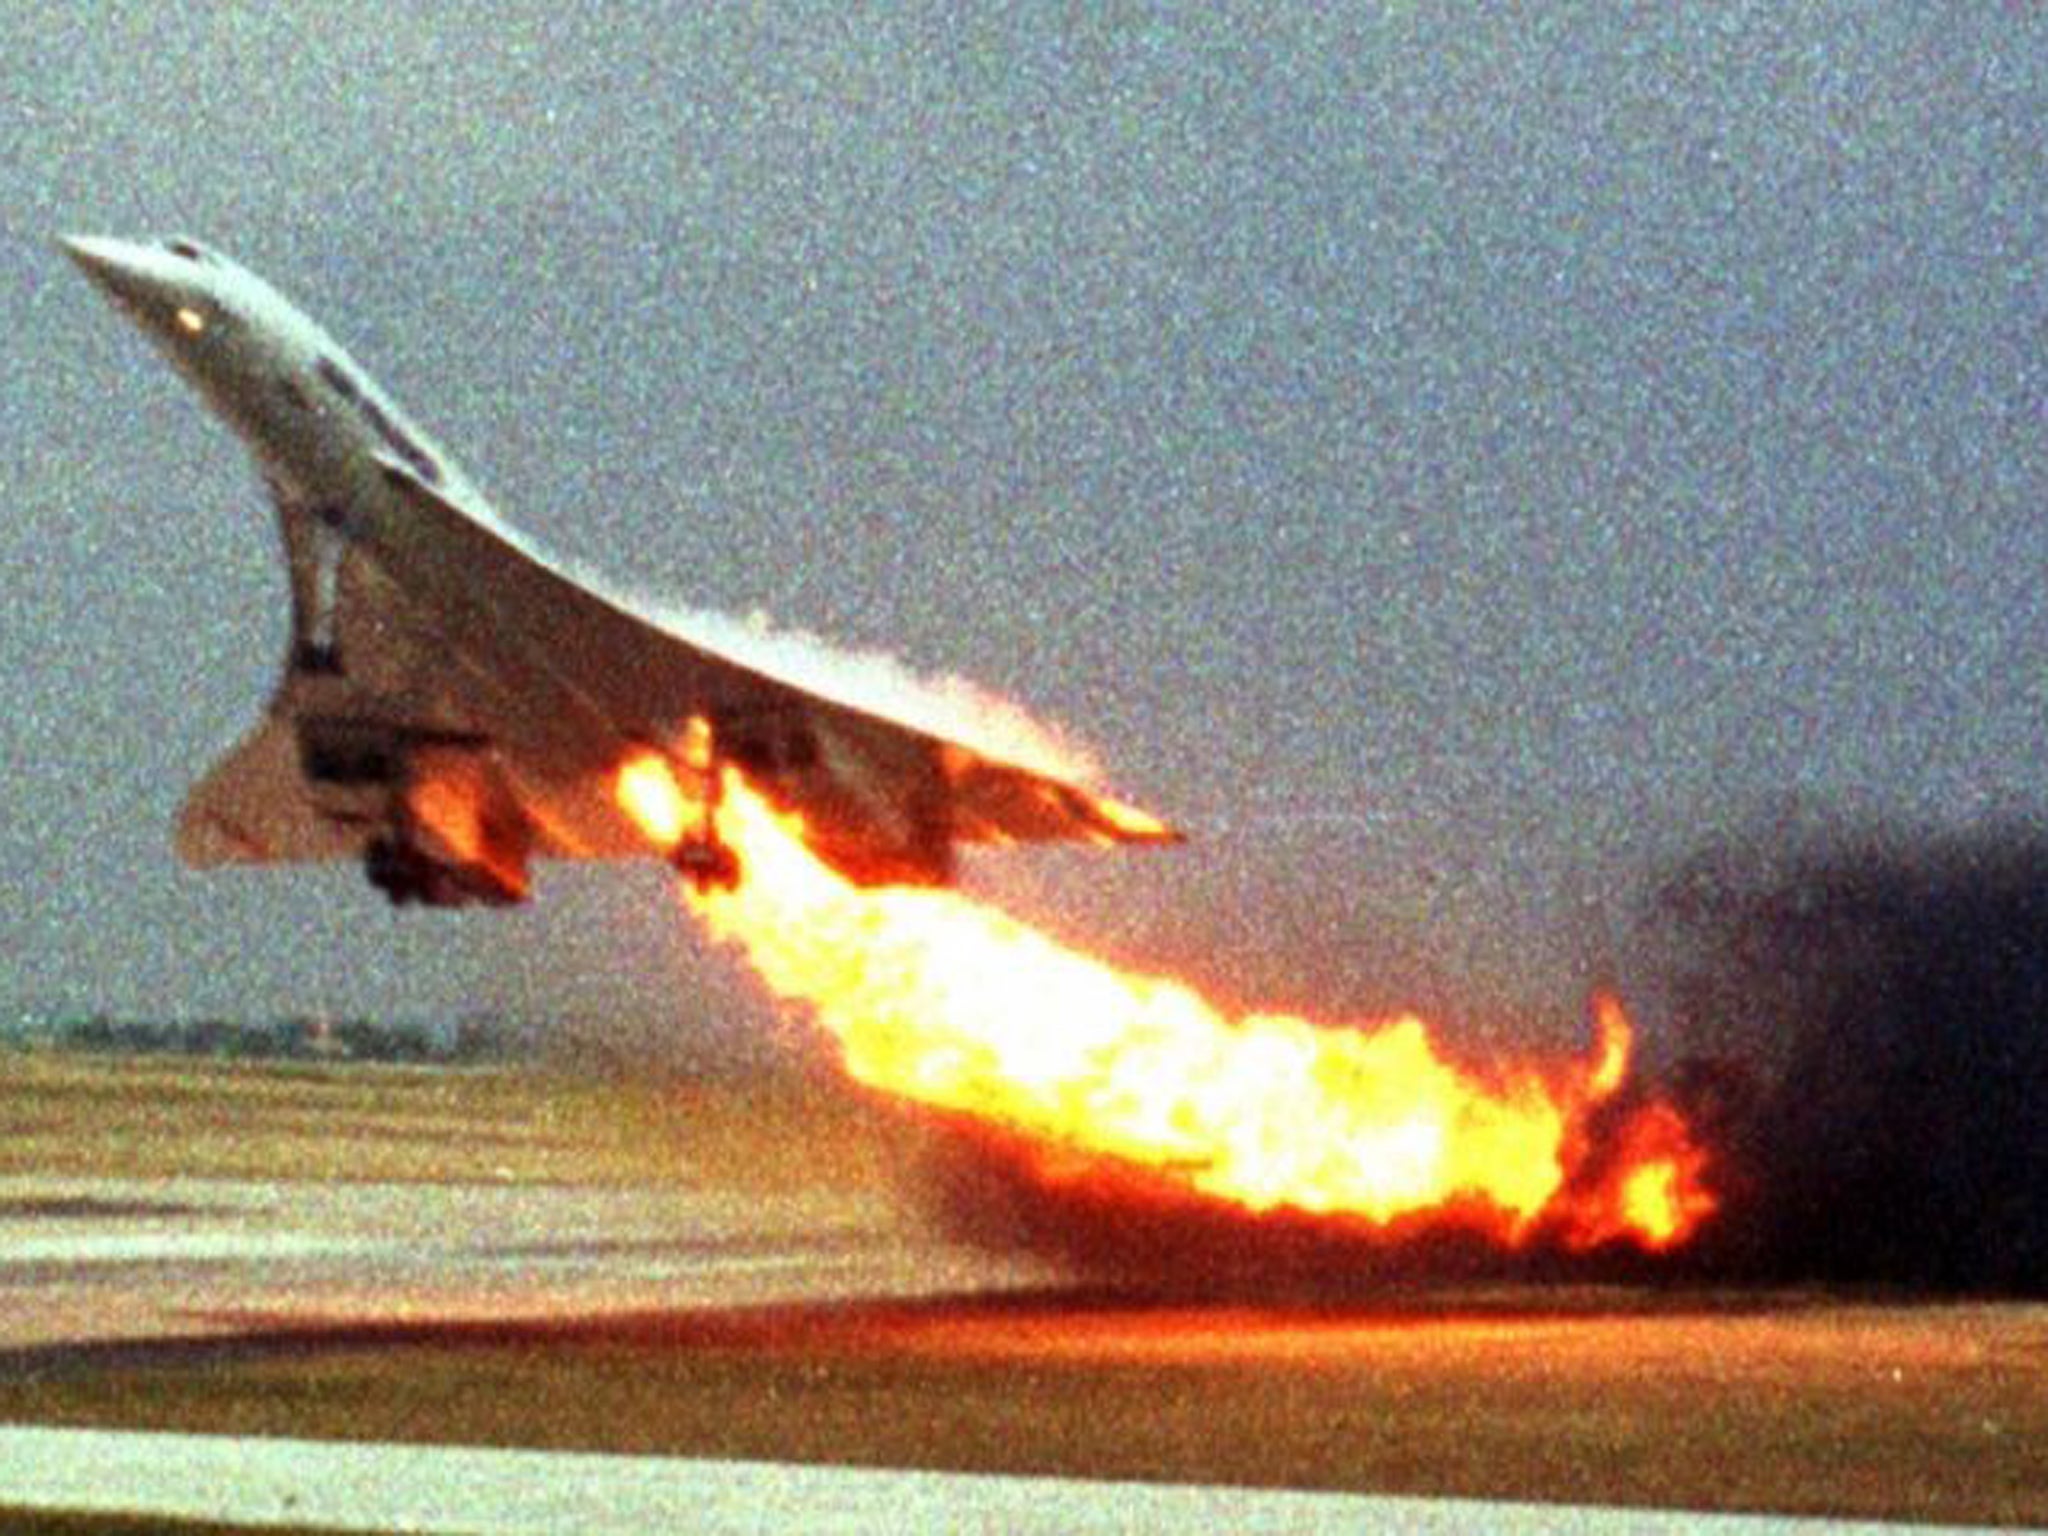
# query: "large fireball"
x,y
942,1000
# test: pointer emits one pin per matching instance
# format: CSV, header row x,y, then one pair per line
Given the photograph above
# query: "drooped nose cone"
x,y
163,289
119,268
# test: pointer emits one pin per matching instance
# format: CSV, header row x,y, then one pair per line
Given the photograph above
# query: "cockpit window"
x,y
336,378
188,249
374,417
398,442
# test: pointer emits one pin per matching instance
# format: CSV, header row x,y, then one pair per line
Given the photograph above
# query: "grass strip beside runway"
x,y
1798,1408
83,1115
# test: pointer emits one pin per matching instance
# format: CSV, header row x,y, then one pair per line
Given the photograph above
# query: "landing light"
x,y
190,320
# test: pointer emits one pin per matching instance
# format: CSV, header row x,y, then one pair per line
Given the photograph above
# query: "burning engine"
x,y
447,830
406,873
872,837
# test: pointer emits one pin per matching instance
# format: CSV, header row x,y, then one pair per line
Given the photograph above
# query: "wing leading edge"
x,y
584,681
452,706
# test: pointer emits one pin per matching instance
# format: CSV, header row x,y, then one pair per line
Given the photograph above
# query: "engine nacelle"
x,y
449,830
407,873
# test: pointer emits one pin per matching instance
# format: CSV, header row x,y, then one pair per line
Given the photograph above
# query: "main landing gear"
x,y
707,863
702,857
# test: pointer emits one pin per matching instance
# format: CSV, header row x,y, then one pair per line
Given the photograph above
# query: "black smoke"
x,y
1867,1017
1878,1079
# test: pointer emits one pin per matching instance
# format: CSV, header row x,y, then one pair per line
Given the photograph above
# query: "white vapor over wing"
x,y
873,681
879,683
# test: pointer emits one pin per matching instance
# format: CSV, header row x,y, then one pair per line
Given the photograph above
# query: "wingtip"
x,y
1132,825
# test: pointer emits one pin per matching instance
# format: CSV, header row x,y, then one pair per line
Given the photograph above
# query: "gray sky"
x,y
1452,465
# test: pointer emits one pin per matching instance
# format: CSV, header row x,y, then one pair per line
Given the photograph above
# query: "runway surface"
x,y
95,1260
536,1493
820,1354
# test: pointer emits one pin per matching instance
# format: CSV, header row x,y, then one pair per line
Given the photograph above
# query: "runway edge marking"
x,y
384,1487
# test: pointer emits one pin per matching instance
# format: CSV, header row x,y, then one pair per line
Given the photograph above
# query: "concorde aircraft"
x,y
454,706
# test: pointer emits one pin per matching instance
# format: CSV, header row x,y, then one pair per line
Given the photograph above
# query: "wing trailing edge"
x,y
883,800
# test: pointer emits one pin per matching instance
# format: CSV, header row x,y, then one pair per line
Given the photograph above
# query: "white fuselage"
x,y
453,702
315,422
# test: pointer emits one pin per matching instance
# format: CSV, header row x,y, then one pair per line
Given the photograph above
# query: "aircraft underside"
x,y
442,823
454,705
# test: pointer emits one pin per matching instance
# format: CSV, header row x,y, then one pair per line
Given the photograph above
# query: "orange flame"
x,y
1654,1192
939,999
648,792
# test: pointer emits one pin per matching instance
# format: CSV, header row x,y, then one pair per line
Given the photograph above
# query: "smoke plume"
x,y
1878,1086
1868,1016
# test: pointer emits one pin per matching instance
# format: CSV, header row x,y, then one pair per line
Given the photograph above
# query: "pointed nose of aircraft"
x,y
151,285
117,267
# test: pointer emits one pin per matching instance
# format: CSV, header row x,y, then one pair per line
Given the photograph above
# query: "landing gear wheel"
x,y
708,865
395,870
